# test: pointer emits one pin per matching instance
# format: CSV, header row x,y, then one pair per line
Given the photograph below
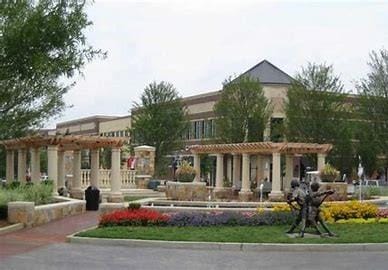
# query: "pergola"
x,y
260,149
56,147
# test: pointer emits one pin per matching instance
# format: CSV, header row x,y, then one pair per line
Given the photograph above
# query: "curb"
x,y
229,246
11,228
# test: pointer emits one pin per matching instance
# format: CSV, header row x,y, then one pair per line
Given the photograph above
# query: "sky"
x,y
197,44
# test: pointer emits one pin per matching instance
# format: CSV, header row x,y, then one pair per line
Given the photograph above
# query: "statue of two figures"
x,y
308,201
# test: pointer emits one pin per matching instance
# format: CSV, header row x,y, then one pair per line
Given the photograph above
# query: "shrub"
x,y
382,213
282,208
328,173
134,206
348,210
185,173
137,217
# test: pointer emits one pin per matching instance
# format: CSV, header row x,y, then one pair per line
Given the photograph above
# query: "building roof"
x,y
267,72
261,148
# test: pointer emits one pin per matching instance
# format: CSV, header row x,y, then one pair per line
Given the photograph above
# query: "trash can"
x,y
92,197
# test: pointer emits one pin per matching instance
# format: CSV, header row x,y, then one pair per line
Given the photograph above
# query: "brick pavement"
x,y
54,232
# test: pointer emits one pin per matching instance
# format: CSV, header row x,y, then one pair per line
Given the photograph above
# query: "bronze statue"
x,y
309,200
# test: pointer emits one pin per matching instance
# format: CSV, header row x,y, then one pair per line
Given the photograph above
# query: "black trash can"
x,y
92,197
153,184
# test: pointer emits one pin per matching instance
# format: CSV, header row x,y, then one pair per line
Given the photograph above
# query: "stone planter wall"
x,y
186,191
106,208
341,190
31,215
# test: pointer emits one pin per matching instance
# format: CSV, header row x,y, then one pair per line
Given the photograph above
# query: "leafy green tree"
x,y
242,111
42,46
317,112
159,120
373,110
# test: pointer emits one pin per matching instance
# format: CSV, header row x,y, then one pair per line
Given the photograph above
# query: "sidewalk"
x,y
53,232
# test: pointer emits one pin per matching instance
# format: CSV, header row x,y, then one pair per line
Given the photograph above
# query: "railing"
x,y
127,178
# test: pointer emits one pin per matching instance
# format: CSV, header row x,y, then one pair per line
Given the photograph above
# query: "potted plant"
x,y
185,173
329,173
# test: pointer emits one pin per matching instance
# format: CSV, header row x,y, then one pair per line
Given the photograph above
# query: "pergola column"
x,y
61,169
276,192
321,161
76,191
219,172
245,193
229,168
197,168
115,177
289,172
10,172
236,171
259,172
22,159
52,166
35,165
94,168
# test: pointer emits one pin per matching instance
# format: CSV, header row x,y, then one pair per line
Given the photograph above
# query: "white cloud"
x,y
197,44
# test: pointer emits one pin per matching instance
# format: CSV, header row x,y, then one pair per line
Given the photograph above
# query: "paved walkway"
x,y
54,232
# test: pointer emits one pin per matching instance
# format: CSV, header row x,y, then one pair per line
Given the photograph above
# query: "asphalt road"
x,y
77,256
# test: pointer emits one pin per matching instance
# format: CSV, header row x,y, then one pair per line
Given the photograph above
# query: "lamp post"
x,y
360,173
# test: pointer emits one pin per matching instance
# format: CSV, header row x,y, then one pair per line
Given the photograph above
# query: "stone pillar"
x,y
22,159
144,164
115,177
35,165
52,166
219,172
289,172
229,168
321,161
76,191
236,171
95,168
61,169
10,172
197,168
259,172
276,193
245,194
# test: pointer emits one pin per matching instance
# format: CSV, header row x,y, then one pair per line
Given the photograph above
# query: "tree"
x,y
373,111
159,120
42,46
316,112
242,111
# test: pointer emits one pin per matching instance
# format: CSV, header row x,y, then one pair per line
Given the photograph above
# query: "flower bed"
x,y
144,217
349,210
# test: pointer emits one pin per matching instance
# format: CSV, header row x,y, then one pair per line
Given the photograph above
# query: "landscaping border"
x,y
11,228
244,247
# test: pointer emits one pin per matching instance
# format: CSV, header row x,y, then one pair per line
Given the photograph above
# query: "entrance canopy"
x,y
64,142
262,148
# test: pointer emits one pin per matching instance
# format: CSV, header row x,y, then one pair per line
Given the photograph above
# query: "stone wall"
x,y
341,190
186,191
31,215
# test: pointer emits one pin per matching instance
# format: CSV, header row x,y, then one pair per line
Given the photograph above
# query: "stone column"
x,y
236,171
35,165
10,166
197,168
219,172
115,177
259,172
229,168
245,194
22,159
61,169
76,191
289,172
276,193
321,161
52,166
95,168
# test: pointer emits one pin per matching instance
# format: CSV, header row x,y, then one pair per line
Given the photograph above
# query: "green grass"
x,y
347,233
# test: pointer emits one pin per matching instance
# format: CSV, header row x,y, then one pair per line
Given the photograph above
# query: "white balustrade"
x,y
127,178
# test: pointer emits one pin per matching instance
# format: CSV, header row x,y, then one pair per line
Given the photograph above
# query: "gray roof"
x,y
266,72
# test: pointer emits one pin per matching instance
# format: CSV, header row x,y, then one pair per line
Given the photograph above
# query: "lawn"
x,y
347,233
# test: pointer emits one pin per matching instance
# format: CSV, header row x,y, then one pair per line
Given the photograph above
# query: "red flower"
x,y
137,217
